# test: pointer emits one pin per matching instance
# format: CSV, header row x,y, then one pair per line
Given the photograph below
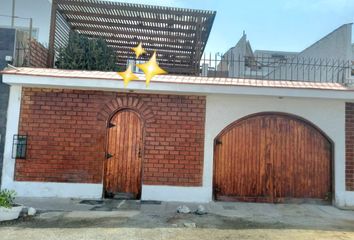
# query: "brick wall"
x,y
39,55
67,128
349,146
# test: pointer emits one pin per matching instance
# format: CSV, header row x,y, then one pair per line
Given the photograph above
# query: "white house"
x,y
82,134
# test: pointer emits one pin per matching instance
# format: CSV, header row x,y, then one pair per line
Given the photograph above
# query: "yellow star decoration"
x,y
128,76
139,50
151,68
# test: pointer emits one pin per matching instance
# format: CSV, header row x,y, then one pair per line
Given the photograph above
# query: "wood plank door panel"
x,y
271,158
240,171
125,145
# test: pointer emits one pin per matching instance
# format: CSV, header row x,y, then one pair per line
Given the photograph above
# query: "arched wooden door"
x,y
124,154
272,157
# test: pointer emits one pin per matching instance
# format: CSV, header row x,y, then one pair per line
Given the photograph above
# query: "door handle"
x,y
108,155
139,151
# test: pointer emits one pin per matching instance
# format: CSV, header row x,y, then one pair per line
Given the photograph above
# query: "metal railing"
x,y
277,67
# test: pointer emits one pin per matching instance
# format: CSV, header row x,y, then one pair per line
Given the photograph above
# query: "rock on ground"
x,y
31,211
189,225
200,210
183,209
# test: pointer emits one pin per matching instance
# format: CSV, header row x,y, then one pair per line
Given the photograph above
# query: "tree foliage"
x,y
82,53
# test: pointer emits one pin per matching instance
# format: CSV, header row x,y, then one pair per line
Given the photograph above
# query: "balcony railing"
x,y
277,68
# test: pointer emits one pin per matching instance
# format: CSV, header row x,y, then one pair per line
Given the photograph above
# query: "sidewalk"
x,y
122,219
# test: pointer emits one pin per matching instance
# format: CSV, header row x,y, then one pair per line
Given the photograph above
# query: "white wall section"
x,y
13,116
176,194
328,115
60,190
172,88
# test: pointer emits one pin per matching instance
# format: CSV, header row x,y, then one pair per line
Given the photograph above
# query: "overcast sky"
x,y
285,25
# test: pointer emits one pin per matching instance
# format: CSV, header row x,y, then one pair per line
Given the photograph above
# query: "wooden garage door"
x,y
124,160
271,158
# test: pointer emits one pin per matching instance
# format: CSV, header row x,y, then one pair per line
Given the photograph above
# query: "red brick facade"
x,y
349,146
67,129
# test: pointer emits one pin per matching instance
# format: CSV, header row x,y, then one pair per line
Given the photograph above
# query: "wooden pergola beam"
x,y
178,35
139,27
97,34
135,7
134,20
94,28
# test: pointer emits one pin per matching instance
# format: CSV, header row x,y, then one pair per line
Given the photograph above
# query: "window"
x,y
19,147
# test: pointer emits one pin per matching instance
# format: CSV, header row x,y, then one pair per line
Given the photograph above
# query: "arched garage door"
x,y
272,157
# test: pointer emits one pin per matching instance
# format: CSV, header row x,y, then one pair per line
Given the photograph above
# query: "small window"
x,y
19,147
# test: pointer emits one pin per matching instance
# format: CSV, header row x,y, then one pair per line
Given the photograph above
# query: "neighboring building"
x,y
326,60
242,48
353,60
14,44
191,139
7,46
38,10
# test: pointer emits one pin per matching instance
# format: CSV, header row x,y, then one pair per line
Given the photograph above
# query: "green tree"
x,y
83,53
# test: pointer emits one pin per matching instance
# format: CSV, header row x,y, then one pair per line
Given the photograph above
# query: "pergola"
x,y
178,35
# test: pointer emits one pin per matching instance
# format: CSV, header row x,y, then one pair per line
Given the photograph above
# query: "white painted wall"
x,y
222,110
172,87
39,10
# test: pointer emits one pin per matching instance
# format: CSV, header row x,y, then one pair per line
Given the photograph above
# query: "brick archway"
x,y
120,103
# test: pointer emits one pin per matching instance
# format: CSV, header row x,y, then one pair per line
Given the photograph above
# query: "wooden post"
x,y
198,45
53,19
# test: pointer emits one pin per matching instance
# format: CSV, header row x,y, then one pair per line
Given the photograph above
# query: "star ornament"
x,y
151,68
128,76
139,50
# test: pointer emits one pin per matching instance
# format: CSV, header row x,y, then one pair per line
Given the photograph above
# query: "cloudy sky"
x,y
286,25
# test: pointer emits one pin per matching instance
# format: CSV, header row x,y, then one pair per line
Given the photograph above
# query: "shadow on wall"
x,y
4,98
7,42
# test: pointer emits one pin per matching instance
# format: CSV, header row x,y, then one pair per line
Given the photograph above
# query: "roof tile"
x,y
60,73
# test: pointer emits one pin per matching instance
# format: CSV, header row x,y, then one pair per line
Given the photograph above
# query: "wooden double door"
x,y
123,166
272,157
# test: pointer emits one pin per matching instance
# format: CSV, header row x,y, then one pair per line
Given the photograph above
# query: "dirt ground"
x,y
223,221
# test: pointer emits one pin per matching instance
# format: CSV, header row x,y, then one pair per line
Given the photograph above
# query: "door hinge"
x,y
110,125
218,142
108,155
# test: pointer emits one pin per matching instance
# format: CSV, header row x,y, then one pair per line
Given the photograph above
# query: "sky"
x,y
283,25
